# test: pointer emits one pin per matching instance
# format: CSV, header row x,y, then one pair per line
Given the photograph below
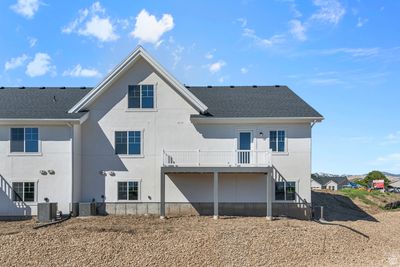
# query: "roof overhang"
x,y
43,121
211,120
139,52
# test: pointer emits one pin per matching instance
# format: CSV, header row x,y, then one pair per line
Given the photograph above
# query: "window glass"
x,y
17,140
281,141
18,191
279,191
134,96
290,190
134,143
24,191
31,140
133,190
121,143
29,192
147,96
128,190
272,140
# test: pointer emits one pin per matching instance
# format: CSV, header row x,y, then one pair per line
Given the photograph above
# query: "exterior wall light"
x,y
111,173
51,172
43,172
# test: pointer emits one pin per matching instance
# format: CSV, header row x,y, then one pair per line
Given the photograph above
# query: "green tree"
x,y
375,175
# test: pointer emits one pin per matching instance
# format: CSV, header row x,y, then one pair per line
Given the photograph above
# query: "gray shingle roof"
x,y
36,103
252,101
322,180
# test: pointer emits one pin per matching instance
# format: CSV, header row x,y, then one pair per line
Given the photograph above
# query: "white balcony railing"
x,y
206,158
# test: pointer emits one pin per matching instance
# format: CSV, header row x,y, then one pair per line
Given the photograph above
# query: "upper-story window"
x,y
24,140
141,96
277,141
128,142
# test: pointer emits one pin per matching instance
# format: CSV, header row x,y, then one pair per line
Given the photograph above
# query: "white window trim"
x,y
128,109
296,192
39,153
141,155
36,191
139,181
281,153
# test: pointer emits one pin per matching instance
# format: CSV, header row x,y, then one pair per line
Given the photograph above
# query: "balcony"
x,y
207,158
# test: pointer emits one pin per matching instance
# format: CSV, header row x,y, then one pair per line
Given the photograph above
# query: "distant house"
x,y
331,183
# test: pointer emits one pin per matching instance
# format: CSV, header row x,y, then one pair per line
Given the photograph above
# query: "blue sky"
x,y
343,57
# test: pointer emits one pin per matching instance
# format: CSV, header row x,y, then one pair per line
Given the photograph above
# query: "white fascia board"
x,y
125,65
255,120
44,121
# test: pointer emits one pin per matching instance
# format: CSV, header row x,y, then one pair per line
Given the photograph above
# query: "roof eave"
x,y
216,120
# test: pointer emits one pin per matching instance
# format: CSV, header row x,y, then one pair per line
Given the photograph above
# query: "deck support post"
x,y
162,196
215,195
269,195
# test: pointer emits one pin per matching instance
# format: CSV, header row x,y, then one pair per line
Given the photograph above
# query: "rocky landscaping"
x,y
201,241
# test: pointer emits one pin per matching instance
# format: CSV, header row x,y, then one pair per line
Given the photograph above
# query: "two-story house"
x,y
140,142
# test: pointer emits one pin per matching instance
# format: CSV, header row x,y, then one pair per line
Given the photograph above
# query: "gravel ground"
x,y
201,241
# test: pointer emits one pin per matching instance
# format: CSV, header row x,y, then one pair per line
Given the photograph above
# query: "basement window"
x,y
23,191
128,190
141,96
285,191
24,140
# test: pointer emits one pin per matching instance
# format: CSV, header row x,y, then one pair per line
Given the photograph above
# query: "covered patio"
x,y
216,171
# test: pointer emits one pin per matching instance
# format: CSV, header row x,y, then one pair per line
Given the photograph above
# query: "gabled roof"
x,y
40,103
139,52
337,179
252,102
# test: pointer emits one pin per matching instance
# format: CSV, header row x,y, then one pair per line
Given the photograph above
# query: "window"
x,y
128,190
285,190
277,141
128,143
24,191
24,140
141,96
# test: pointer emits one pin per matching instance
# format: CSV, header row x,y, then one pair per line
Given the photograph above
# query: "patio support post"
x,y
269,195
162,196
215,195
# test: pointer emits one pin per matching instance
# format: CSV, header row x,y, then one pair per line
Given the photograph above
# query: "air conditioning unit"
x,y
87,209
47,211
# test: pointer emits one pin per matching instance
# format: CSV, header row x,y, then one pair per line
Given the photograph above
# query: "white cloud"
x,y
15,62
330,11
101,28
209,55
390,162
354,52
177,55
93,22
150,30
393,138
32,41
40,65
275,39
242,21
361,22
298,30
244,70
217,66
78,71
26,8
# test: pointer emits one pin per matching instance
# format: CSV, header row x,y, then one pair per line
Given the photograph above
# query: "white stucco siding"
x,y
55,154
168,127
